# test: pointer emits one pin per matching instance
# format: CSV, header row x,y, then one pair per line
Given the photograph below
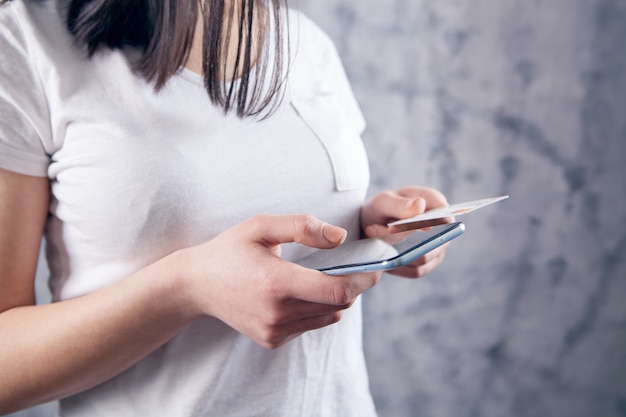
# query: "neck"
x,y
230,37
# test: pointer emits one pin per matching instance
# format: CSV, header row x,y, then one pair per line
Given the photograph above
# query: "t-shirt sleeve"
x,y
24,116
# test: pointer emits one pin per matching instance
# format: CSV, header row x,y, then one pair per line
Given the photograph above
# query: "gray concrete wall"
x,y
479,98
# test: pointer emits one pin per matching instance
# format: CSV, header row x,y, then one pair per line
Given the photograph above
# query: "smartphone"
x,y
382,253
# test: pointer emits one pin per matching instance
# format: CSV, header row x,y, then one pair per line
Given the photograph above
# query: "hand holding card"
x,y
449,211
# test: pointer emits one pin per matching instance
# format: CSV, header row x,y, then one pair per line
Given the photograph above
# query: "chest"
x,y
138,170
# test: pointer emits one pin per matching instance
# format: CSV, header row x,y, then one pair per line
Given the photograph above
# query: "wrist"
x,y
177,286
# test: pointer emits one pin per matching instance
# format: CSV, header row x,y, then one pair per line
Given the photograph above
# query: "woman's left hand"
x,y
403,203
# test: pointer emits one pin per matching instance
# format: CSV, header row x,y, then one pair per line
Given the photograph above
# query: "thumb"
x,y
308,230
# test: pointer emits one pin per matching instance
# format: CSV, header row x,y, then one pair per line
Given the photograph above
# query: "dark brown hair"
x,y
163,30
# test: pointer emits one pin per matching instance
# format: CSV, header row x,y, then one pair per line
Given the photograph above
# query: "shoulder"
x,y
316,71
306,35
305,26
25,13
24,126
9,21
35,42
25,23
312,51
24,27
16,45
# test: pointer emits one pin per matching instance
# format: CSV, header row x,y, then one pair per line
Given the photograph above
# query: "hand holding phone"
x,y
381,253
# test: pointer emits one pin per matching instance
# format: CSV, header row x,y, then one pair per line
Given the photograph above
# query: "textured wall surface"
x,y
479,98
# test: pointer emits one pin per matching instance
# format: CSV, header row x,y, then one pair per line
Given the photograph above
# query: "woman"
x,y
162,148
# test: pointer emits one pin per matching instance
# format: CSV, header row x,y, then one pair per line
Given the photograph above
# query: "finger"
x,y
280,342
305,229
415,271
421,225
308,316
420,269
295,309
432,256
393,205
280,335
433,197
316,287
312,323
377,230
423,265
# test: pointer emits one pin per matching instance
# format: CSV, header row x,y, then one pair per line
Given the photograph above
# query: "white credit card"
x,y
451,210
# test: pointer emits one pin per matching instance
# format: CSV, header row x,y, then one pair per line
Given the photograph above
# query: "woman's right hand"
x,y
239,278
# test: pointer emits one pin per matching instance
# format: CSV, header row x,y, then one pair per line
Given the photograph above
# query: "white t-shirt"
x,y
137,174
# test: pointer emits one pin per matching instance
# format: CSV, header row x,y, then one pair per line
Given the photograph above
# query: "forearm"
x,y
52,351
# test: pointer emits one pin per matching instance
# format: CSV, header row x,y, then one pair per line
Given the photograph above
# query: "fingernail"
x,y
334,234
